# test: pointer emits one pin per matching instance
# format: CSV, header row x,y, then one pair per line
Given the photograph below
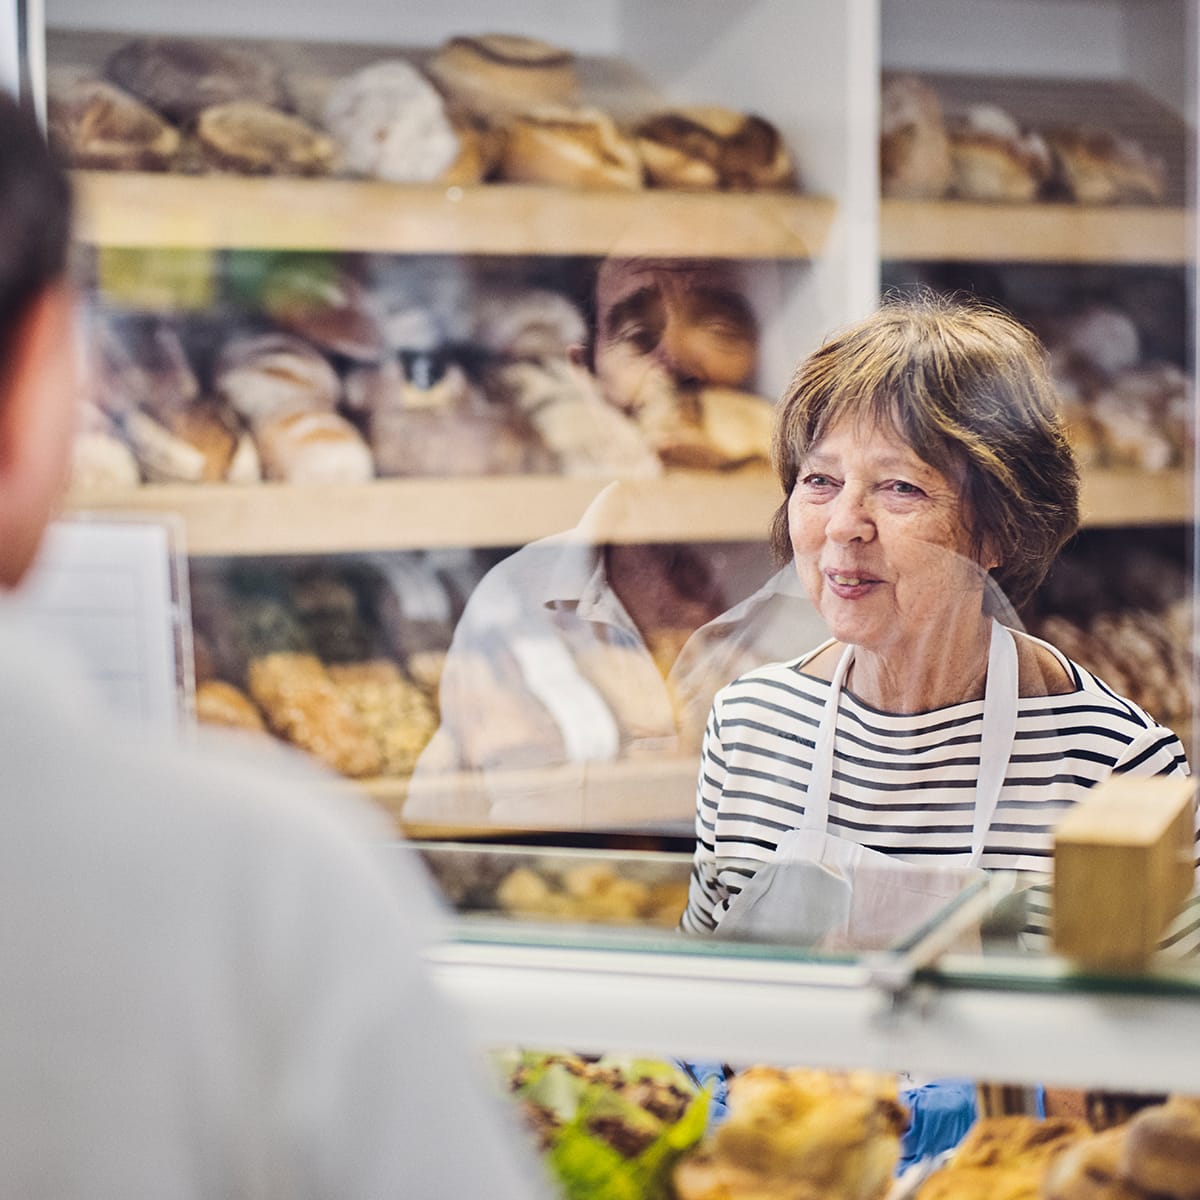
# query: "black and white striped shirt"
x,y
902,785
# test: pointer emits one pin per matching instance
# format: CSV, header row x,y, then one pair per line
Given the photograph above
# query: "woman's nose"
x,y
849,516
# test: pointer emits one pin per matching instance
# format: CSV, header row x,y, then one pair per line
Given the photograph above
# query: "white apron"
x,y
826,891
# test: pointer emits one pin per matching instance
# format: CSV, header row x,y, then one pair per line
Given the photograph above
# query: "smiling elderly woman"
x,y
927,481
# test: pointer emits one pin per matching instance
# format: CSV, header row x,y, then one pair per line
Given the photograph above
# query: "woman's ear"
x,y
578,356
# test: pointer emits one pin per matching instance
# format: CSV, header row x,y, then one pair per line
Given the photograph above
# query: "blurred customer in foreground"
x,y
212,984
594,645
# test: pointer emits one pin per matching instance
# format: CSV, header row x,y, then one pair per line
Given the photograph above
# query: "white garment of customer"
x,y
211,987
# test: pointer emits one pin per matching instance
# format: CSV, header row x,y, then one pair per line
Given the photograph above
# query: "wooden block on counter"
x,y
1123,866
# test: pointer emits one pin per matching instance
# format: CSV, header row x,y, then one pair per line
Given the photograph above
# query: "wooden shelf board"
x,y
408,514
626,794
412,514
1136,498
235,212
962,231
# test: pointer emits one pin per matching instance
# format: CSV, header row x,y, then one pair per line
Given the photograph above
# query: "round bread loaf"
x,y
180,77
914,151
313,447
1098,166
94,124
256,139
708,146
391,124
1161,1152
497,75
993,160
570,147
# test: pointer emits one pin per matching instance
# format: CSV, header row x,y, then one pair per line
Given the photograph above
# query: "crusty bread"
x,y
707,146
914,149
1099,166
251,138
570,147
1161,1150
497,75
313,447
95,124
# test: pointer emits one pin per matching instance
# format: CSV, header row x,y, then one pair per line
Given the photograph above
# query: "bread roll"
x,y
95,124
265,375
391,124
570,147
395,712
707,146
326,306
993,159
313,447
498,75
914,149
1098,166
180,77
251,138
163,457
100,461
303,705
212,430
220,703
1161,1151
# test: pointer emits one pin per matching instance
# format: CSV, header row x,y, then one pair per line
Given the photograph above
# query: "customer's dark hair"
x,y
967,387
35,216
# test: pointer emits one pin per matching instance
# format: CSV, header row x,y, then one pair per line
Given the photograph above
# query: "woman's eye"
x,y
642,337
816,480
903,488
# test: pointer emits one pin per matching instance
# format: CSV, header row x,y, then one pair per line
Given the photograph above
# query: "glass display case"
x,y
466,345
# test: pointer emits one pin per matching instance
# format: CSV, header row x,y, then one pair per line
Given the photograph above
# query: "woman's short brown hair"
x,y
967,387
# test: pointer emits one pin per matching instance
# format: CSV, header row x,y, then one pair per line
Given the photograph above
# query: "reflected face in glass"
x,y
674,325
881,541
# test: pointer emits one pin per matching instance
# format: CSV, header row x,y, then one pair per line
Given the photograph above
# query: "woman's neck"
x,y
943,667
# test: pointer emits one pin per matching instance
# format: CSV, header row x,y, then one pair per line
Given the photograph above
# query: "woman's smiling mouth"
x,y
849,585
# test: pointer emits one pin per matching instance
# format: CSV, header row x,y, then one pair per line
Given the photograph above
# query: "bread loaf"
x,y
220,703
1099,166
570,147
180,77
993,159
251,138
496,75
391,124
914,149
96,125
707,146
313,447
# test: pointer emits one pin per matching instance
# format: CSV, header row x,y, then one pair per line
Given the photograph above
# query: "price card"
x,y
114,590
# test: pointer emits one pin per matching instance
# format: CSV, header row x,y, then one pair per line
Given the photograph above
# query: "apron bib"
x,y
826,891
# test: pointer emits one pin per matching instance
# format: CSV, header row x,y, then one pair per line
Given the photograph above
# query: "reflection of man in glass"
x,y
588,646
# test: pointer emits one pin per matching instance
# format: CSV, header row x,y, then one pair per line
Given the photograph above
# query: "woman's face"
x,y
881,541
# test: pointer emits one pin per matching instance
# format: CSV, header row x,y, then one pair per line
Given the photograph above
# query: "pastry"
x,y
180,77
993,159
303,705
94,124
1099,166
265,375
220,703
497,75
391,124
1161,1151
799,1134
313,447
480,149
395,712
251,138
914,149
570,147
706,146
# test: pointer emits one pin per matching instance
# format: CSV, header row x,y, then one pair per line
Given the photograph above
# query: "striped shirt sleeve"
x,y
702,889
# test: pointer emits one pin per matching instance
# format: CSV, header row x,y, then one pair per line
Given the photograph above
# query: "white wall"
x,y
584,25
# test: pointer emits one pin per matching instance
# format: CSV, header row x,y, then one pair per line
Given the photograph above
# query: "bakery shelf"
x,y
234,212
961,231
626,794
412,514
409,514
